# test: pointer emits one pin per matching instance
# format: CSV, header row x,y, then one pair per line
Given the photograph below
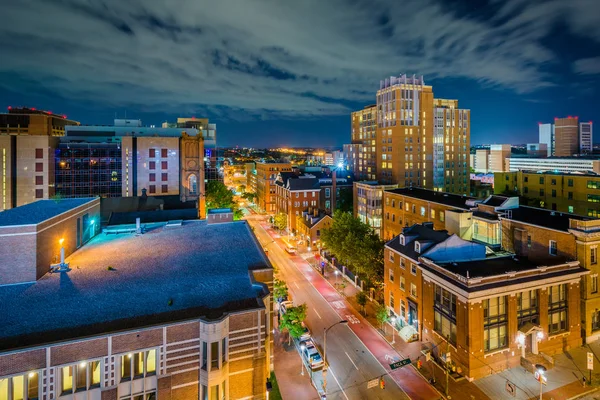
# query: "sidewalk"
x,y
287,364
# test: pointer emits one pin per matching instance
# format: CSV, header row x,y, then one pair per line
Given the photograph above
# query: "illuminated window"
x,y
138,365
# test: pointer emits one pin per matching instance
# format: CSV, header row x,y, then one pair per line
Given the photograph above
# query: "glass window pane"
x,y
126,366
94,372
33,385
214,392
80,381
204,355
17,387
214,355
138,364
67,379
151,361
3,389
224,350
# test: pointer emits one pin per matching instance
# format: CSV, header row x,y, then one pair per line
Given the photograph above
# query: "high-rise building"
x,y
364,135
546,136
586,137
411,139
482,159
536,150
566,136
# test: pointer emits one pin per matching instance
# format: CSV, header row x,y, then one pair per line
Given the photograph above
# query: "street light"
x,y
540,376
393,319
302,347
325,353
337,279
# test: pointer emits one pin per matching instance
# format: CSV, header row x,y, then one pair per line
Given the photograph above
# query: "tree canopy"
x,y
291,321
219,196
280,221
280,289
355,245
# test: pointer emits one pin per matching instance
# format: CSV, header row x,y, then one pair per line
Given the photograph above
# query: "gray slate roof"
x,y
203,268
39,211
449,199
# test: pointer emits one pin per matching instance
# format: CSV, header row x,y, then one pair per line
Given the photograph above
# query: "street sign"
x,y
540,378
372,383
590,361
511,388
428,356
400,363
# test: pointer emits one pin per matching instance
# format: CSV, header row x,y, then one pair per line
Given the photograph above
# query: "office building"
x,y
120,160
586,137
411,139
266,175
546,136
368,203
190,319
498,155
566,136
589,164
536,150
570,193
458,296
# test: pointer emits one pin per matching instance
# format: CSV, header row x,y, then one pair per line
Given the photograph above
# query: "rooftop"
x,y
449,199
495,201
546,172
39,211
201,270
421,233
545,218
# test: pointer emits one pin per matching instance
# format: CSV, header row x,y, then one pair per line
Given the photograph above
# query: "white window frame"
x,y
550,247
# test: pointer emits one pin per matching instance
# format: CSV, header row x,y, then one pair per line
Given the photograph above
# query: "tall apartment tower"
x,y
411,139
451,146
586,137
498,155
361,152
404,122
546,136
566,136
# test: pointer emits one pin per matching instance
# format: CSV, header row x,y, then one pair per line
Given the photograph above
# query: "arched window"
x,y
193,184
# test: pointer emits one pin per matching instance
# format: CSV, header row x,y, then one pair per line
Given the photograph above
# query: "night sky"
x,y
279,72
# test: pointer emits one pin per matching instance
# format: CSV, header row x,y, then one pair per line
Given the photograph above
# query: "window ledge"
x,y
558,335
494,352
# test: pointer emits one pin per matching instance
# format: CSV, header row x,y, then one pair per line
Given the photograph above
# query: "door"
x,y
78,232
86,228
413,316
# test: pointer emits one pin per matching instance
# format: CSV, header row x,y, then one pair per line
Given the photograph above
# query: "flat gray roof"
x,y
203,269
40,211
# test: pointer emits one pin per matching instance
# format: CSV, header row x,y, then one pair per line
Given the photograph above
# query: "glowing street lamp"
x,y
62,266
393,319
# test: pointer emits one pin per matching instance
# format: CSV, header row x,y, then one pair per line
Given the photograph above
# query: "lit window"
x,y
138,364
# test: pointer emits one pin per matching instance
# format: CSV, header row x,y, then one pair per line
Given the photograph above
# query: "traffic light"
x,y
381,383
419,364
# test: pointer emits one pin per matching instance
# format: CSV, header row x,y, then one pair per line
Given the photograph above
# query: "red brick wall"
x,y
22,361
138,340
164,387
178,333
78,351
242,321
110,394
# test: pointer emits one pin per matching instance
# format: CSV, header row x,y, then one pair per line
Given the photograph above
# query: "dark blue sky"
x,y
288,73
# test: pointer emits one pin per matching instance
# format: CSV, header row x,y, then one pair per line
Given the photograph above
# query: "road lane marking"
x,y
351,361
352,319
338,304
318,314
338,382
296,283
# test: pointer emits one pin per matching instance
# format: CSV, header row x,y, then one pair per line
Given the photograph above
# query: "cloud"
x,y
268,58
587,66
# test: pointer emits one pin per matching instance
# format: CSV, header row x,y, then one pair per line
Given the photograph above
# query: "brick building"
x,y
492,311
368,203
295,192
310,224
266,175
169,314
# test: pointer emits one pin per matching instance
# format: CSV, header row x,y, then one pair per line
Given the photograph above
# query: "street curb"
x,y
583,394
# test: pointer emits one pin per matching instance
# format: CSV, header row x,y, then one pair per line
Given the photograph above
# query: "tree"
x,y
291,321
355,245
361,299
251,197
219,196
280,290
280,221
241,189
382,315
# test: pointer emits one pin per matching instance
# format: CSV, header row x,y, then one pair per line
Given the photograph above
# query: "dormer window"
x,y
418,247
402,240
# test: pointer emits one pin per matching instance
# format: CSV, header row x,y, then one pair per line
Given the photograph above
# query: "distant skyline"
x,y
289,73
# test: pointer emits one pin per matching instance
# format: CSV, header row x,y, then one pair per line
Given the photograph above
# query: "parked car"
x,y
312,355
283,306
306,334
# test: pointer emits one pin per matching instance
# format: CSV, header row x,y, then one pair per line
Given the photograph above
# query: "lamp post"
x,y
302,347
337,279
62,266
325,353
393,319
540,376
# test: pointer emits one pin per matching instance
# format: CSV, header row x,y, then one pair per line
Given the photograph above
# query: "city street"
x,y
351,364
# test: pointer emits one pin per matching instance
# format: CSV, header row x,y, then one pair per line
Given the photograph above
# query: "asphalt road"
x,y
351,363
